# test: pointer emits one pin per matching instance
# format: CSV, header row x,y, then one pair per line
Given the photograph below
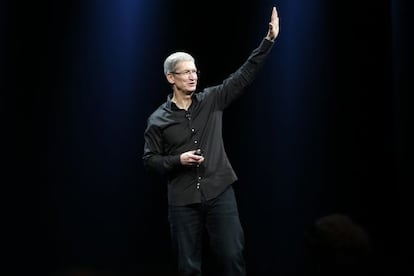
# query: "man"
x,y
183,141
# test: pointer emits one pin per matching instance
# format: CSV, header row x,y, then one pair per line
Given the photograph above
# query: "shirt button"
x,y
192,130
199,178
195,141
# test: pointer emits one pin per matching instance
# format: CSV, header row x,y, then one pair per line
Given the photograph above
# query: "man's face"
x,y
184,77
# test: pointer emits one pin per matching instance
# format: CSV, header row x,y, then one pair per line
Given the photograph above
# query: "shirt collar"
x,y
172,106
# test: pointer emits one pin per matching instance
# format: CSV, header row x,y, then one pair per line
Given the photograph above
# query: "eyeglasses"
x,y
187,73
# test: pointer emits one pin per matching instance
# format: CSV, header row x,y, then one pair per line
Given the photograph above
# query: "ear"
x,y
170,78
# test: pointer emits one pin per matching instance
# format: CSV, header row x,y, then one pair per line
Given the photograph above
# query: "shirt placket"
x,y
196,144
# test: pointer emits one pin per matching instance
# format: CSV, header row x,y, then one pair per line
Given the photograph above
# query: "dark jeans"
x,y
219,219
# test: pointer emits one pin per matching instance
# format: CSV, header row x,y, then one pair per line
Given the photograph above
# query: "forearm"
x,y
161,164
234,85
154,157
254,62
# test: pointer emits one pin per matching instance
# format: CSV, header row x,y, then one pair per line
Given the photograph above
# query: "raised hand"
x,y
273,26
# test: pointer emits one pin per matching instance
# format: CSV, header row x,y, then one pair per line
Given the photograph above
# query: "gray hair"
x,y
172,60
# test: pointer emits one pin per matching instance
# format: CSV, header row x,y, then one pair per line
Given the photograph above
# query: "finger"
x,y
197,158
274,14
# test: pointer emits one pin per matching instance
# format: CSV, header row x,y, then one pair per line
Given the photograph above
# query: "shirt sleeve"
x,y
153,157
233,86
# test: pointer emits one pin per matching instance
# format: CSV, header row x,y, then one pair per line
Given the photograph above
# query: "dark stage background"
x,y
321,130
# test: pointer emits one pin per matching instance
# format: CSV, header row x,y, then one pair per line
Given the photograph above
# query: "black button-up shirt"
x,y
171,131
